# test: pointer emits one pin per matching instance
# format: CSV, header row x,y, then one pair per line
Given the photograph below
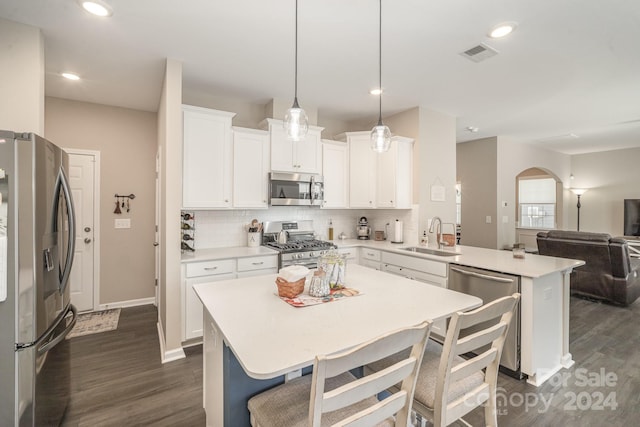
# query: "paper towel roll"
x,y
397,232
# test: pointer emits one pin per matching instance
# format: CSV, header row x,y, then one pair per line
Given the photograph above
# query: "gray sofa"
x,y
609,273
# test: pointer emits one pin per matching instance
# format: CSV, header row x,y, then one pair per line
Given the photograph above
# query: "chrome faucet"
x,y
438,231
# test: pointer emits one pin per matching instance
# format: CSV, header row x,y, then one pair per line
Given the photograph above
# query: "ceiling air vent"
x,y
479,53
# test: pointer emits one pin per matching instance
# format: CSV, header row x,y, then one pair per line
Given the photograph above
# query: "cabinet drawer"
x,y
210,268
371,254
416,275
351,253
257,263
420,264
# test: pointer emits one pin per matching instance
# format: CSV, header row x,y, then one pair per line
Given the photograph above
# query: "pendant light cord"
x,y
379,65
295,90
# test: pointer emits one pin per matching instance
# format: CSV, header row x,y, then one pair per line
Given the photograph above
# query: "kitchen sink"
x,y
429,251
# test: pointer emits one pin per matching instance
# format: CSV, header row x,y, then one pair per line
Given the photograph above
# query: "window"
x,y
537,202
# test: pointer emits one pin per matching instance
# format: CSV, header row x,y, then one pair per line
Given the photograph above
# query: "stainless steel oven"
x,y
296,189
301,246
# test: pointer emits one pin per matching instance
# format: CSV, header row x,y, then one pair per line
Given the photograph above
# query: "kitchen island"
x,y
544,305
253,339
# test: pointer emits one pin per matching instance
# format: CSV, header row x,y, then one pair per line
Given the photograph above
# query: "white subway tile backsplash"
x,y
226,228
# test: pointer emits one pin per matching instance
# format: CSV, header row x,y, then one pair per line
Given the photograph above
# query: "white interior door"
x,y
82,179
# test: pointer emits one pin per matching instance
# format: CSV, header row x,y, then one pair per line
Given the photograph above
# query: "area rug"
x,y
95,322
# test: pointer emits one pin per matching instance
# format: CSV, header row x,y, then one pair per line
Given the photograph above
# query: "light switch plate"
x,y
488,219
505,219
123,223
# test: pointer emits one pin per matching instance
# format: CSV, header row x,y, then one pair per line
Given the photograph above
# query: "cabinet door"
x,y
308,153
250,168
281,148
386,177
362,172
335,170
207,158
192,314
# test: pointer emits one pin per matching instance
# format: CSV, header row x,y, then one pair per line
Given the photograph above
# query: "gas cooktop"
x,y
301,245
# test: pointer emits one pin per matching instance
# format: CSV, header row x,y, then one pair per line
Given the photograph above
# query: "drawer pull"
x,y
211,268
258,263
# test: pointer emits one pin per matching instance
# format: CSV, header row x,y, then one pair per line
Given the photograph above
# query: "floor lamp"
x,y
579,192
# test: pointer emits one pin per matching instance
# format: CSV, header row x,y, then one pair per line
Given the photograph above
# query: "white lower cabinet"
x,y
423,270
256,266
370,258
200,272
214,271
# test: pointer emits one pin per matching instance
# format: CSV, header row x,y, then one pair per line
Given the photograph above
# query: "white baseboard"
x,y
168,355
129,303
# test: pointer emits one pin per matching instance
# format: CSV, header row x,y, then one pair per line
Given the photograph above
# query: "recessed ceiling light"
x,y
70,76
502,30
376,91
96,7
472,129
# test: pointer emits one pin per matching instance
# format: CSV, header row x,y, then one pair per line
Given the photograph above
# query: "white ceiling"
x,y
571,66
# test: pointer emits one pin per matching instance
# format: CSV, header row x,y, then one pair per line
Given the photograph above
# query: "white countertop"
x,y
270,338
490,259
224,253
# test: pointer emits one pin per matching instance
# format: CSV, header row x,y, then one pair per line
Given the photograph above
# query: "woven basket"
x,y
289,289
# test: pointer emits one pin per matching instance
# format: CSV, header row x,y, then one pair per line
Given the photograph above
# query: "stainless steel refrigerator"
x,y
37,238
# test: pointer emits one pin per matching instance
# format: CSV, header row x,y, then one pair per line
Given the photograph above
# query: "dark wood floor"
x,y
118,380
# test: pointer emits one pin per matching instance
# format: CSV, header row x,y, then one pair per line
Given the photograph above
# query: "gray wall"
x,y
610,177
126,140
22,82
477,166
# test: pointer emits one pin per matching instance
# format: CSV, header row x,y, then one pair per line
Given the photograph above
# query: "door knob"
x,y
87,240
87,229
156,244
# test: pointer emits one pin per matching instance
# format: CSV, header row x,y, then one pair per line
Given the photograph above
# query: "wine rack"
x,y
187,231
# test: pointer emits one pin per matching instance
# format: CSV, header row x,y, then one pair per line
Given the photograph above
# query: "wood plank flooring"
x,y
118,380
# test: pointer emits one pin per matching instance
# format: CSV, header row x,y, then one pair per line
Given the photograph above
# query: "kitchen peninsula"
x,y
253,339
544,285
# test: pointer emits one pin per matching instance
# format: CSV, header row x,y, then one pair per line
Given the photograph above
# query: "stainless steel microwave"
x,y
295,189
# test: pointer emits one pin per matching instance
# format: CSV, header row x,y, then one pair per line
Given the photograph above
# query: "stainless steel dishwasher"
x,y
488,286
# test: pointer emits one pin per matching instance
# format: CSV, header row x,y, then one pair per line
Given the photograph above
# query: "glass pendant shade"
x,y
296,123
380,138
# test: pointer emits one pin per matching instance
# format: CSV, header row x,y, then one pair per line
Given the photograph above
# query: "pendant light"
x,y
380,134
296,123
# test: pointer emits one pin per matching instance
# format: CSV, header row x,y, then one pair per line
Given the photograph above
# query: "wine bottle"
x,y
186,237
187,216
186,226
186,247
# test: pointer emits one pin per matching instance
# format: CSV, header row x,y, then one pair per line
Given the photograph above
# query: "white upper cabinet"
x,y
335,170
379,180
250,168
394,180
207,175
294,156
362,170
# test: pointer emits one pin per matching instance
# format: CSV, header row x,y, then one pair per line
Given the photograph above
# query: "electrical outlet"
x,y
504,203
123,223
488,219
